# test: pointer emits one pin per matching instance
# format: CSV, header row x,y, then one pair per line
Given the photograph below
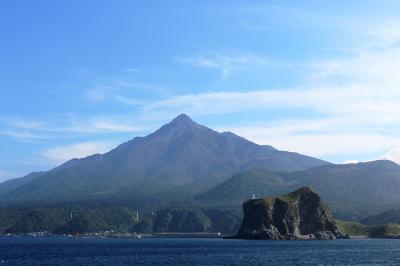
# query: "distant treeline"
x,y
69,220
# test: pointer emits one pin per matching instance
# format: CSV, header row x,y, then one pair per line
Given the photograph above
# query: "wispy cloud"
x,y
122,91
110,125
24,136
26,131
357,28
393,155
93,125
225,63
358,94
318,137
98,93
382,33
354,100
351,161
129,100
131,70
77,150
21,122
252,18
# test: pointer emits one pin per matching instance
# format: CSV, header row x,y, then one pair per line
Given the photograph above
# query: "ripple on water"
x,y
66,251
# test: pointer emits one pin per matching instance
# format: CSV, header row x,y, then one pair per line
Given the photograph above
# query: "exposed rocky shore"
x,y
299,215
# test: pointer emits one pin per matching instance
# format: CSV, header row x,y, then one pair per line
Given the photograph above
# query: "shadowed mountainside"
x,y
352,191
389,216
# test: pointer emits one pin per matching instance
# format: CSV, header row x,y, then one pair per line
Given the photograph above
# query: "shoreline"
x,y
120,235
171,235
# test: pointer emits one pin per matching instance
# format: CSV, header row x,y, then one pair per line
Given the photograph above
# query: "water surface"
x,y
173,251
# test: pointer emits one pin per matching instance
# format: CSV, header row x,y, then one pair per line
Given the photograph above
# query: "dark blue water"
x,y
65,251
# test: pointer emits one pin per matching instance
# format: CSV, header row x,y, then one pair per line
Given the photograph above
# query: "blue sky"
x,y
80,77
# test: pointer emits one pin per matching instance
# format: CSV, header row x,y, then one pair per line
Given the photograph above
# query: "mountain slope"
x,y
10,185
351,190
243,186
181,153
355,188
390,216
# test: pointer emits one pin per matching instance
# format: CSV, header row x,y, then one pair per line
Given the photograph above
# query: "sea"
x,y
195,251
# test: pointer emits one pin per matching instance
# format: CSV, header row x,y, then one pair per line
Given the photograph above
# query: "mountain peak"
x,y
178,126
182,119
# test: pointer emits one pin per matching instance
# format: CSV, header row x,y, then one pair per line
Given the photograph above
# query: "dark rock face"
x,y
298,215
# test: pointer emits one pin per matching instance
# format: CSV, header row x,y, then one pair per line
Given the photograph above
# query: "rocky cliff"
x,y
298,215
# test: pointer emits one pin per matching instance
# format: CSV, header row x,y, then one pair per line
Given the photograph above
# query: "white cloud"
x,y
384,34
357,31
19,122
27,123
341,100
101,124
122,91
317,137
78,150
351,161
23,136
98,93
225,63
128,100
108,125
393,155
358,96
24,130
131,70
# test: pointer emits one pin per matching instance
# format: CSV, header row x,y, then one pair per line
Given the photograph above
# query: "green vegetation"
x,y
65,219
353,228
69,220
190,220
180,220
386,231
375,231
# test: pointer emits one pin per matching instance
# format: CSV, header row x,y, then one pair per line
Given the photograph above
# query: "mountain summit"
x,y
180,153
183,119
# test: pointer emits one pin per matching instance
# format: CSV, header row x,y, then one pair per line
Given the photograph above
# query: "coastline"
x,y
172,235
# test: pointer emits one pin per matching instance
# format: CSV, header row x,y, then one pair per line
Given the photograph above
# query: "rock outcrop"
x,y
298,215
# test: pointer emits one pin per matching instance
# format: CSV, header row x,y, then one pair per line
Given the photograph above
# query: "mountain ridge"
x,y
179,153
352,191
